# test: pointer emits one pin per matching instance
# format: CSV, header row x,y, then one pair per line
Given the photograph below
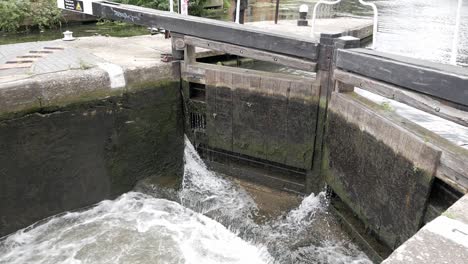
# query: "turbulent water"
x,y
212,221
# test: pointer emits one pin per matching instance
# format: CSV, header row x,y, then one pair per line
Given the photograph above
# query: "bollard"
x,y
302,21
68,36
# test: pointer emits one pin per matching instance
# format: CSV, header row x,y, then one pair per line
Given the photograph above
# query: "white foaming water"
x,y
135,228
210,194
139,228
307,234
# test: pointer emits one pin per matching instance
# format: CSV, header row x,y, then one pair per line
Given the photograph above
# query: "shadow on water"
x,y
212,220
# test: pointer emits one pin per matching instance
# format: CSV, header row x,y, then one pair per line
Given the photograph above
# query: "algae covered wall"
x,y
380,171
60,158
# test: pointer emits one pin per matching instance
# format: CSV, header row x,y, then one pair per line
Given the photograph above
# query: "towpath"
x,y
26,60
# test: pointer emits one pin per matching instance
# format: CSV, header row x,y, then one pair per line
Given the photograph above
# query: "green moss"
x,y
449,215
84,65
386,106
166,83
33,108
425,135
55,104
322,103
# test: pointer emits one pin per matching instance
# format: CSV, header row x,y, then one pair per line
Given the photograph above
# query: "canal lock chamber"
x,y
212,197
243,123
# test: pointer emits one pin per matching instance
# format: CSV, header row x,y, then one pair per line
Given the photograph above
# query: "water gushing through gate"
x,y
213,221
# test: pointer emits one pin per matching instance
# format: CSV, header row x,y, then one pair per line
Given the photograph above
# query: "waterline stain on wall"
x,y
69,157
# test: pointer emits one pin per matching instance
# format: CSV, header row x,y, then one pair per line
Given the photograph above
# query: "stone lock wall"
x,y
93,146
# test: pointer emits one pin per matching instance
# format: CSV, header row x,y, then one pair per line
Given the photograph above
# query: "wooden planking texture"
x,y
419,101
260,116
438,80
401,140
251,53
242,35
400,192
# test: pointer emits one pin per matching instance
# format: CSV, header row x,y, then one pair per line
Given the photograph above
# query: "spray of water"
x,y
210,194
212,222
307,234
135,228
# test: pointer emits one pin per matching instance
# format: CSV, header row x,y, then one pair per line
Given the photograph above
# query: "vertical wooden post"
x,y
178,46
277,11
346,42
189,55
326,61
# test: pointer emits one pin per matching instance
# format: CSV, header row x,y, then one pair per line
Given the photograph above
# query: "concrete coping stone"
x,y
385,128
65,87
443,240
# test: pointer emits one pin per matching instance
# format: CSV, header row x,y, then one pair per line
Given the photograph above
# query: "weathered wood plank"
x,y
189,54
251,53
219,109
383,127
442,81
277,115
453,167
389,164
197,70
416,100
192,73
242,35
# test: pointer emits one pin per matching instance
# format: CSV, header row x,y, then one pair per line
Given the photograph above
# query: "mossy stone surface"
x,y
65,158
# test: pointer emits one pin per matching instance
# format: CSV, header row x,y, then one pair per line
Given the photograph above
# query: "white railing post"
x,y
184,7
376,16
453,57
374,8
171,5
314,14
237,11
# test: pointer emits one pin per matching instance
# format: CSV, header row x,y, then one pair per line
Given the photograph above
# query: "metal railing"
x,y
453,57
237,11
374,8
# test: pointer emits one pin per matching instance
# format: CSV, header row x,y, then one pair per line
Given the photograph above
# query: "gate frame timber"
x,y
210,29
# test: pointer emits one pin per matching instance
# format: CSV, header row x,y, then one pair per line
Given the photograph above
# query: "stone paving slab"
x,y
83,53
10,51
69,58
